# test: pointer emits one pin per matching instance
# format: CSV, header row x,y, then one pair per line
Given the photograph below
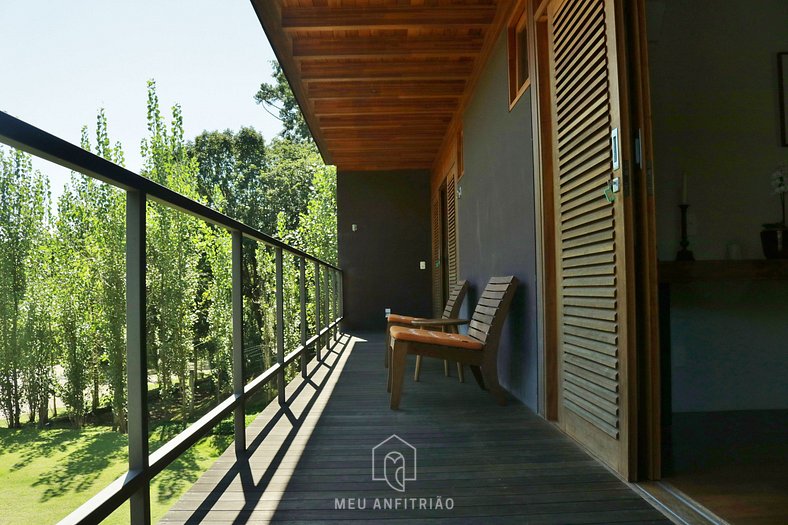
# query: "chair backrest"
x,y
490,314
456,297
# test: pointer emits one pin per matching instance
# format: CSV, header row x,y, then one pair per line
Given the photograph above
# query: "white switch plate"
x,y
388,311
422,265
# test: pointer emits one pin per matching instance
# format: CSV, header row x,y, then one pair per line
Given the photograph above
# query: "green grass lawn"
x,y
46,474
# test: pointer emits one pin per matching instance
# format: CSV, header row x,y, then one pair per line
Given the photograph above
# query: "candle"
x,y
684,187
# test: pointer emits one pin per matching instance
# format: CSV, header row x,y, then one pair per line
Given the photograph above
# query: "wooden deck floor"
x,y
498,464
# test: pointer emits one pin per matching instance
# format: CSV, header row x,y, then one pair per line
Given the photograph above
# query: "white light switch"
x,y
354,227
422,265
388,312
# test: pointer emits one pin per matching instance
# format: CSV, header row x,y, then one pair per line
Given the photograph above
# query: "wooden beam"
x,y
380,46
372,69
385,106
401,149
387,89
362,122
371,164
333,134
390,17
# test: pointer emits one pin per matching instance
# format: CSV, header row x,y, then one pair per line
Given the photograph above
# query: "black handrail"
x,y
134,485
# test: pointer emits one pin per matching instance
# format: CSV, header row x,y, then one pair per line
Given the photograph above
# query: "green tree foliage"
x,y
62,272
107,224
317,229
279,98
173,256
89,266
75,301
232,167
40,351
24,196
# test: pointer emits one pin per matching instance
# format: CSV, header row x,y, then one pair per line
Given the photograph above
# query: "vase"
x,y
775,243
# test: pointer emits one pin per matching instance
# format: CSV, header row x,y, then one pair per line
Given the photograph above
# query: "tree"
x,y
75,299
40,352
23,205
106,245
279,98
173,257
232,167
317,229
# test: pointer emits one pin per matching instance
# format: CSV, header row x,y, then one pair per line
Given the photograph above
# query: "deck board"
x,y
498,464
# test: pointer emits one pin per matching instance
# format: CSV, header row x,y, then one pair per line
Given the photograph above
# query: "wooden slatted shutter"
x,y
451,224
437,260
590,230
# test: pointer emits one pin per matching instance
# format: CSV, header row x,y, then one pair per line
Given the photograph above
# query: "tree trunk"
x,y
43,414
17,415
94,403
32,406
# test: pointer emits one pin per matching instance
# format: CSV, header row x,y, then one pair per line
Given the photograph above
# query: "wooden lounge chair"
x,y
479,348
447,323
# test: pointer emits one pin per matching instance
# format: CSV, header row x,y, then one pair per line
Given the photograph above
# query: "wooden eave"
x,y
381,82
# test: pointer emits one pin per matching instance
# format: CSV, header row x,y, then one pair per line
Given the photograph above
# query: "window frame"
x,y
518,25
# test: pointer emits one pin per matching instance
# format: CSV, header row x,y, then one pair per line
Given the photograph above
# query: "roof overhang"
x,y
380,86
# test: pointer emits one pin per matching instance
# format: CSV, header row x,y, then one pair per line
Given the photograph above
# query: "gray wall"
x,y
714,95
496,216
381,259
729,347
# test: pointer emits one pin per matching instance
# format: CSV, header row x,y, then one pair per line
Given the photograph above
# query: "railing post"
x,y
239,415
332,307
335,286
136,351
302,295
341,294
280,326
327,304
318,344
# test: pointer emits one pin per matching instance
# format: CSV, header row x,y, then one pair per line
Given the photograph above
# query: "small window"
x,y
518,56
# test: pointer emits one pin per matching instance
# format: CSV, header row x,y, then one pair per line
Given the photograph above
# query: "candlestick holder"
x,y
684,254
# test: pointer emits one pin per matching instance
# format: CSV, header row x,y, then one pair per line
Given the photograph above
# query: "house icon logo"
x,y
394,461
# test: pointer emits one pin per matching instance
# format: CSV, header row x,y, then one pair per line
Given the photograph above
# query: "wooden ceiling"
x,y
379,81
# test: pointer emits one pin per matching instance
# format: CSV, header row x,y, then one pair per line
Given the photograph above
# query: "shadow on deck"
x,y
497,464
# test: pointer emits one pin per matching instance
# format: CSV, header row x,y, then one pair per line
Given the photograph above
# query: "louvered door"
x,y
437,259
451,224
590,230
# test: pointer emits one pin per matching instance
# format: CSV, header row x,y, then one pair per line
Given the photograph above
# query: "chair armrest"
x,y
419,323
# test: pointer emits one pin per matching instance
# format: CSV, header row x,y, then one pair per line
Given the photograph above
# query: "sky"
x,y
63,60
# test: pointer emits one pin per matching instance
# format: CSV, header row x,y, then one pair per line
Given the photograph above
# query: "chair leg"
x,y
460,372
388,372
445,368
477,375
491,380
388,348
397,372
417,372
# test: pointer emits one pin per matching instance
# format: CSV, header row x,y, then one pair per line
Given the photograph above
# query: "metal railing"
x,y
134,485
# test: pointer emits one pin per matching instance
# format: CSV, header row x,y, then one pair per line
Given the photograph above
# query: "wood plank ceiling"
x,y
379,81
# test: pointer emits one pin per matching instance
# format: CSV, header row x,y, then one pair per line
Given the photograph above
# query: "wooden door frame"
x,y
643,374
541,128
